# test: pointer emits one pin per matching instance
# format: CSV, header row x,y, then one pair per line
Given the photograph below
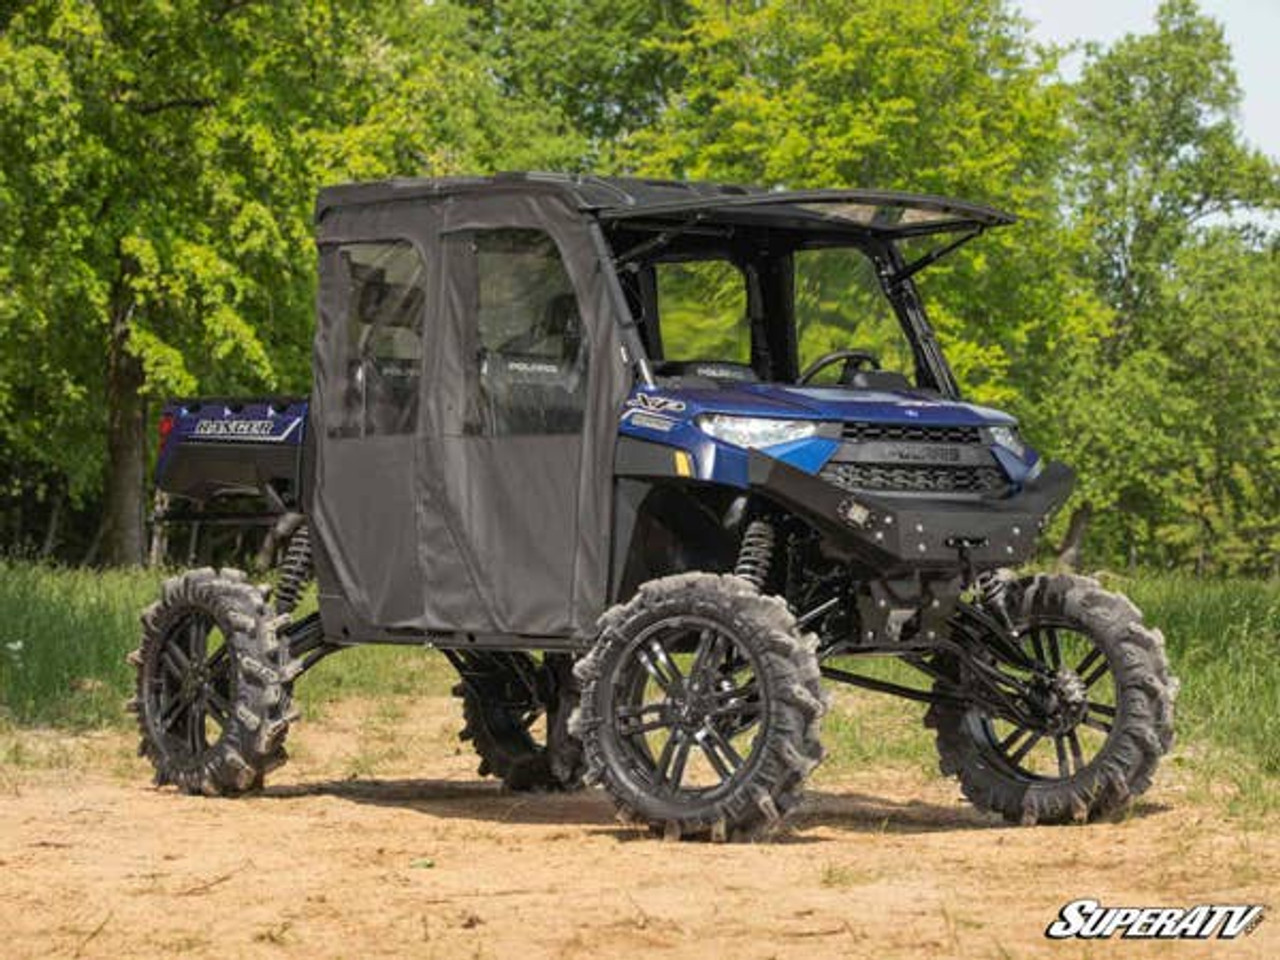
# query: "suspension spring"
x,y
993,595
755,555
295,570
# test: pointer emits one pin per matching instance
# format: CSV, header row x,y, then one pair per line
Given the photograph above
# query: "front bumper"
x,y
894,535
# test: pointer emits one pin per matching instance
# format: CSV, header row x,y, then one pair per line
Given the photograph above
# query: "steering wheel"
x,y
853,359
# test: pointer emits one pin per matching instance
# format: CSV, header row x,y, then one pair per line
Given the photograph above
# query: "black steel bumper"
x,y
898,534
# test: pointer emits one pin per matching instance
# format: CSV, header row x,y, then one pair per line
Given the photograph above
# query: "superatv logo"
x,y
1089,920
234,428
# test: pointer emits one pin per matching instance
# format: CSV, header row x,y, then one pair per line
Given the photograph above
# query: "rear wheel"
x,y
506,697
1100,717
700,708
214,684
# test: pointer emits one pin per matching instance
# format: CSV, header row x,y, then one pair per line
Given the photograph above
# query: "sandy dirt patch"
x,y
378,840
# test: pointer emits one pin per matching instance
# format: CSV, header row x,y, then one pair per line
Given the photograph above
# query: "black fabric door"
x,y
376,288
510,453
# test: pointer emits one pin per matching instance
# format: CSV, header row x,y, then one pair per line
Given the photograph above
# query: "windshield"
x,y
840,305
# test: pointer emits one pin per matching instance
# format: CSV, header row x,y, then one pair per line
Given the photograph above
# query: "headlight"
x,y
752,432
1008,438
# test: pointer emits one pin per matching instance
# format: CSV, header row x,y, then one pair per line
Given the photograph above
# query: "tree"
x,y
1159,154
606,65
160,161
947,97
1179,435
1163,186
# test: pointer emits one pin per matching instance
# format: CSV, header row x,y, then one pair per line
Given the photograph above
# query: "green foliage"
x,y
1170,418
159,166
604,64
1158,150
64,640
1176,437
1222,637
159,161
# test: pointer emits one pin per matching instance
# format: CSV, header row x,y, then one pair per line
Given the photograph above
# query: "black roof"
x,y
634,199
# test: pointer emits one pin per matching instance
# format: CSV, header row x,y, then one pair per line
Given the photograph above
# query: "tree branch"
x,y
192,103
232,6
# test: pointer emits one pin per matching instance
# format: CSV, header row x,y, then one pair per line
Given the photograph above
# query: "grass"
x,y
1224,645
375,671
1224,642
64,635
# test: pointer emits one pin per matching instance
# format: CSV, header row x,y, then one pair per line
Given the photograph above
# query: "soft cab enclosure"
x,y
469,367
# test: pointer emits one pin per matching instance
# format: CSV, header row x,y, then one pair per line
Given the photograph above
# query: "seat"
x,y
707,369
889,380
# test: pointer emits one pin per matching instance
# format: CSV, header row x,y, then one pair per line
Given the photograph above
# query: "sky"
x,y
1253,30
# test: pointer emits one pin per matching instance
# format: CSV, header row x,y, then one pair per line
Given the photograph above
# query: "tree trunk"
x,y
123,497
159,533
1073,543
91,553
51,529
17,541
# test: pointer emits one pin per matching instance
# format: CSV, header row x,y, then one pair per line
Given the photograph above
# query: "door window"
x,y
382,366
529,370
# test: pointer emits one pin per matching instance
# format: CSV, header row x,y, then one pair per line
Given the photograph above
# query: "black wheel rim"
x,y
1074,711
509,691
689,708
191,687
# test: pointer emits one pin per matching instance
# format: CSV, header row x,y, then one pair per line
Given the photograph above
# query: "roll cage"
x,y
760,232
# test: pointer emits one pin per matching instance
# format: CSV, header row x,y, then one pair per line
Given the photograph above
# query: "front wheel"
x,y
700,708
1104,709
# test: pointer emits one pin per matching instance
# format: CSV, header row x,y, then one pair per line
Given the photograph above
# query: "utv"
x,y
647,461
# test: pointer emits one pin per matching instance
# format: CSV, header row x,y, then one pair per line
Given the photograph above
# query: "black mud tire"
x,y
499,731
1142,731
259,684
770,786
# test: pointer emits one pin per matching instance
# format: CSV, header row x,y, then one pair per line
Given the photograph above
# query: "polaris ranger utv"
x,y
647,461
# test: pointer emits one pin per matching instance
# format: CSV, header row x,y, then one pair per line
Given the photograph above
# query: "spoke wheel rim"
x,y
190,687
689,708
1073,740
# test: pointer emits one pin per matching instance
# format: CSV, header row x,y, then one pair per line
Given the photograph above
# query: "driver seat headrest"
x,y
879,380
719,370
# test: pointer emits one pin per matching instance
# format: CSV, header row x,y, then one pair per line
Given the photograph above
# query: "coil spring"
x,y
295,570
755,555
991,588
993,593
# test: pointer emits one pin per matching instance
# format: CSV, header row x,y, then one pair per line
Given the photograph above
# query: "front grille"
x,y
915,478
861,432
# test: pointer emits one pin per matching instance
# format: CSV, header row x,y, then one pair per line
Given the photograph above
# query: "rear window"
x,y
384,296
702,308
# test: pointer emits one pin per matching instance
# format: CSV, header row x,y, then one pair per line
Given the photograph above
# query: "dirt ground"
x,y
378,840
